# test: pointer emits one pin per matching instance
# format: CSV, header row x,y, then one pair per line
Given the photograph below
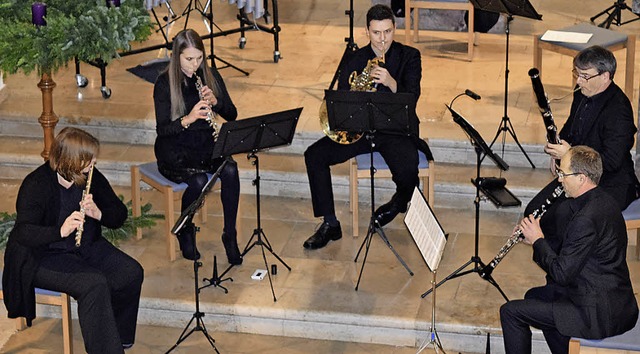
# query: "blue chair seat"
x,y
629,340
364,161
360,166
148,173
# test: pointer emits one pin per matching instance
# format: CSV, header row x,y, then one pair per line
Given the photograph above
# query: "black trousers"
x,y
229,192
536,309
399,152
106,283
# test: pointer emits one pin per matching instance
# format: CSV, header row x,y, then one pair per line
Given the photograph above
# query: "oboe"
x,y
210,114
87,188
486,271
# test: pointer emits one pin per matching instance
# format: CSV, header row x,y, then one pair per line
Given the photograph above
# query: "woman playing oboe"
x,y
42,251
185,139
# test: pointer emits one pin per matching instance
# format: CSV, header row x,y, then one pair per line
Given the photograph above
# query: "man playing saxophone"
x,y
588,292
401,72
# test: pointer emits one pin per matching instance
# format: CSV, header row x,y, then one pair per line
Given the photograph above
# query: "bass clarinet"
x,y
486,271
543,104
87,188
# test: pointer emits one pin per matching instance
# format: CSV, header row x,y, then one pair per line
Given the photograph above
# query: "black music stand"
x,y
348,50
510,8
490,187
250,136
614,15
185,216
371,112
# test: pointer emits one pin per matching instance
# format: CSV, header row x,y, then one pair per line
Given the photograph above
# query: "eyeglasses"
x,y
584,77
563,175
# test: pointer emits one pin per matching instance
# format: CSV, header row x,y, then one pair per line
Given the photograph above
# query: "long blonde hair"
x,y
186,39
71,152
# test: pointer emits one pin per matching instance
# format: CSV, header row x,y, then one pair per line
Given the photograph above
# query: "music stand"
x,y
427,233
494,191
371,112
250,136
510,8
615,16
348,50
186,215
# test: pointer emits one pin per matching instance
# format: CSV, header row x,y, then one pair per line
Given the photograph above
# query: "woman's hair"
x,y
72,151
183,40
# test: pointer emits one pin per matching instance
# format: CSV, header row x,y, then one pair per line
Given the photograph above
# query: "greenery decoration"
x,y
6,224
87,30
147,219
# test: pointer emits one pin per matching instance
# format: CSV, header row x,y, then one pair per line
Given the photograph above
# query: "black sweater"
x,y
37,226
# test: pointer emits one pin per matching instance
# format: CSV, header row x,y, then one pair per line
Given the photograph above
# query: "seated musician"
x,y
57,244
185,141
588,292
601,117
401,72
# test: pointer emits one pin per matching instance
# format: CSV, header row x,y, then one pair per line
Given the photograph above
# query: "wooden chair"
x,y
359,168
48,297
149,174
609,39
625,341
632,219
440,5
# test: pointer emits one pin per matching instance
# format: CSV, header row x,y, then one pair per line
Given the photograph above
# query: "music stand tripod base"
x,y
251,136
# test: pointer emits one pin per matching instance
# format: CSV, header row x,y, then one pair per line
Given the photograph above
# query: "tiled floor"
x,y
323,280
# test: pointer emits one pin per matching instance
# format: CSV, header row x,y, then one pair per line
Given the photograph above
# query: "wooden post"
x,y
48,118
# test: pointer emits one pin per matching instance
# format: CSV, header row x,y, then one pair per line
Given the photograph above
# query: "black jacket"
x,y
589,273
404,64
611,133
38,206
179,151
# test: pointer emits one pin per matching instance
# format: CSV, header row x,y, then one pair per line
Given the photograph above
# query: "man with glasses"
x,y
601,117
588,292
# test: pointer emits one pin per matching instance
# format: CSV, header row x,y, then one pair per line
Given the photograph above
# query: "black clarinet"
x,y
543,104
486,271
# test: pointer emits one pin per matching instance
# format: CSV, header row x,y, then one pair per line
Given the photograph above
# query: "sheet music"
x,y
425,230
567,37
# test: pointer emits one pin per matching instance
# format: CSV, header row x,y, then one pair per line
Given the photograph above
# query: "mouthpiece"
x,y
534,73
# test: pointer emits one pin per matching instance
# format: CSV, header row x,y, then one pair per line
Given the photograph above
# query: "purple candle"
x,y
38,13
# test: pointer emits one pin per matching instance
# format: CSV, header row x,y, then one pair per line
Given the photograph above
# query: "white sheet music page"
x,y
425,230
567,37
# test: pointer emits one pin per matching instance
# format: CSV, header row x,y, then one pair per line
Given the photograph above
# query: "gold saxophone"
x,y
211,116
362,82
87,188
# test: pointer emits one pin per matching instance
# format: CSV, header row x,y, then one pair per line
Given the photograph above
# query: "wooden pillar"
x,y
48,118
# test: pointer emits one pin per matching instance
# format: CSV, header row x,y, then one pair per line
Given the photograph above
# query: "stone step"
x,y
283,172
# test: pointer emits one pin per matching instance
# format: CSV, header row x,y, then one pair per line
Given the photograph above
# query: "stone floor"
x,y
320,287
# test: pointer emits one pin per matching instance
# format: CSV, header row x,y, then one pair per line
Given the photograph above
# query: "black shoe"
x,y
187,241
230,242
387,212
322,236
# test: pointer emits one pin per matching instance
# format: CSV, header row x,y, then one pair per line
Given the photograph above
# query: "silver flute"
x,y
210,114
517,237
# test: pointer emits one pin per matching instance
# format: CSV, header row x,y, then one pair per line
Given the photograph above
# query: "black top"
x,y
37,228
181,152
605,123
589,273
404,65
